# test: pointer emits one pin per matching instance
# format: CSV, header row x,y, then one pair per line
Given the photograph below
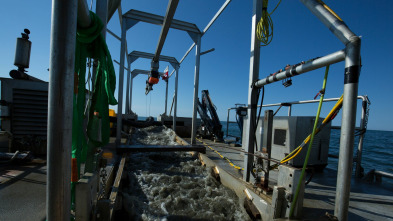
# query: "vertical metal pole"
x,y
102,13
131,84
121,83
290,110
229,109
358,171
252,93
175,99
61,86
128,89
267,143
196,85
344,173
166,96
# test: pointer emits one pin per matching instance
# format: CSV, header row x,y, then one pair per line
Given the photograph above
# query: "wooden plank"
x,y
116,184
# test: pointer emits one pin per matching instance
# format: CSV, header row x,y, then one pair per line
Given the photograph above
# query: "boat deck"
x,y
368,201
23,190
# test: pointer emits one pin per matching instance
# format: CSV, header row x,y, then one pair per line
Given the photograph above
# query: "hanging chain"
x,y
103,176
87,107
367,113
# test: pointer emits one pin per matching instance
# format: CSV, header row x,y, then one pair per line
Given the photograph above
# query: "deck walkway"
x,y
367,201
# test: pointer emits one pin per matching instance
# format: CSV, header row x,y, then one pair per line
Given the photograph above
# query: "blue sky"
x,y
298,36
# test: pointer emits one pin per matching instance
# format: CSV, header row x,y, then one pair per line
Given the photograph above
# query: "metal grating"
x,y
29,114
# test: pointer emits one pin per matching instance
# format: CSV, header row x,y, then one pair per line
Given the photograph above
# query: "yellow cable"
x,y
330,10
296,151
225,158
264,32
286,160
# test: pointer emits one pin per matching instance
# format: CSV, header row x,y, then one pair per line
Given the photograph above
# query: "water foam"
x,y
174,186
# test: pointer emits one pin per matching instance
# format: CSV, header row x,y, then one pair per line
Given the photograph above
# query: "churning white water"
x,y
174,185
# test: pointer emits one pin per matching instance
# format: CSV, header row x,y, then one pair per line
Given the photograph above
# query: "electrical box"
x,y
289,132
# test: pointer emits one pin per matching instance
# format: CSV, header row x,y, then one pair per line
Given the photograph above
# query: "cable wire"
x,y
309,146
264,31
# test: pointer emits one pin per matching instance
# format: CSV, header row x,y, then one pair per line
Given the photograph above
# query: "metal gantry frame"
x,y
130,82
131,18
351,55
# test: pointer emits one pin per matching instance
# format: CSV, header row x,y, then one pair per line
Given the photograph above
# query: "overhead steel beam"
x,y
138,54
170,12
146,72
205,30
137,16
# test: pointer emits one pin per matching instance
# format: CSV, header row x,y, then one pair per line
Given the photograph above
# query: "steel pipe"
x,y
84,19
170,12
102,13
344,173
131,87
384,174
315,64
335,24
60,106
121,83
166,96
252,92
351,80
196,85
175,99
363,125
128,89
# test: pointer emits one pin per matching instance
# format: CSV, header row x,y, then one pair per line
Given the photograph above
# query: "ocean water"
x,y
377,148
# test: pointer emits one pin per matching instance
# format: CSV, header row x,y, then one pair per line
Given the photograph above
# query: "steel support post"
x,y
289,110
351,79
358,171
344,173
121,83
131,86
175,99
84,19
250,126
229,109
102,13
127,111
267,145
166,96
60,105
196,85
